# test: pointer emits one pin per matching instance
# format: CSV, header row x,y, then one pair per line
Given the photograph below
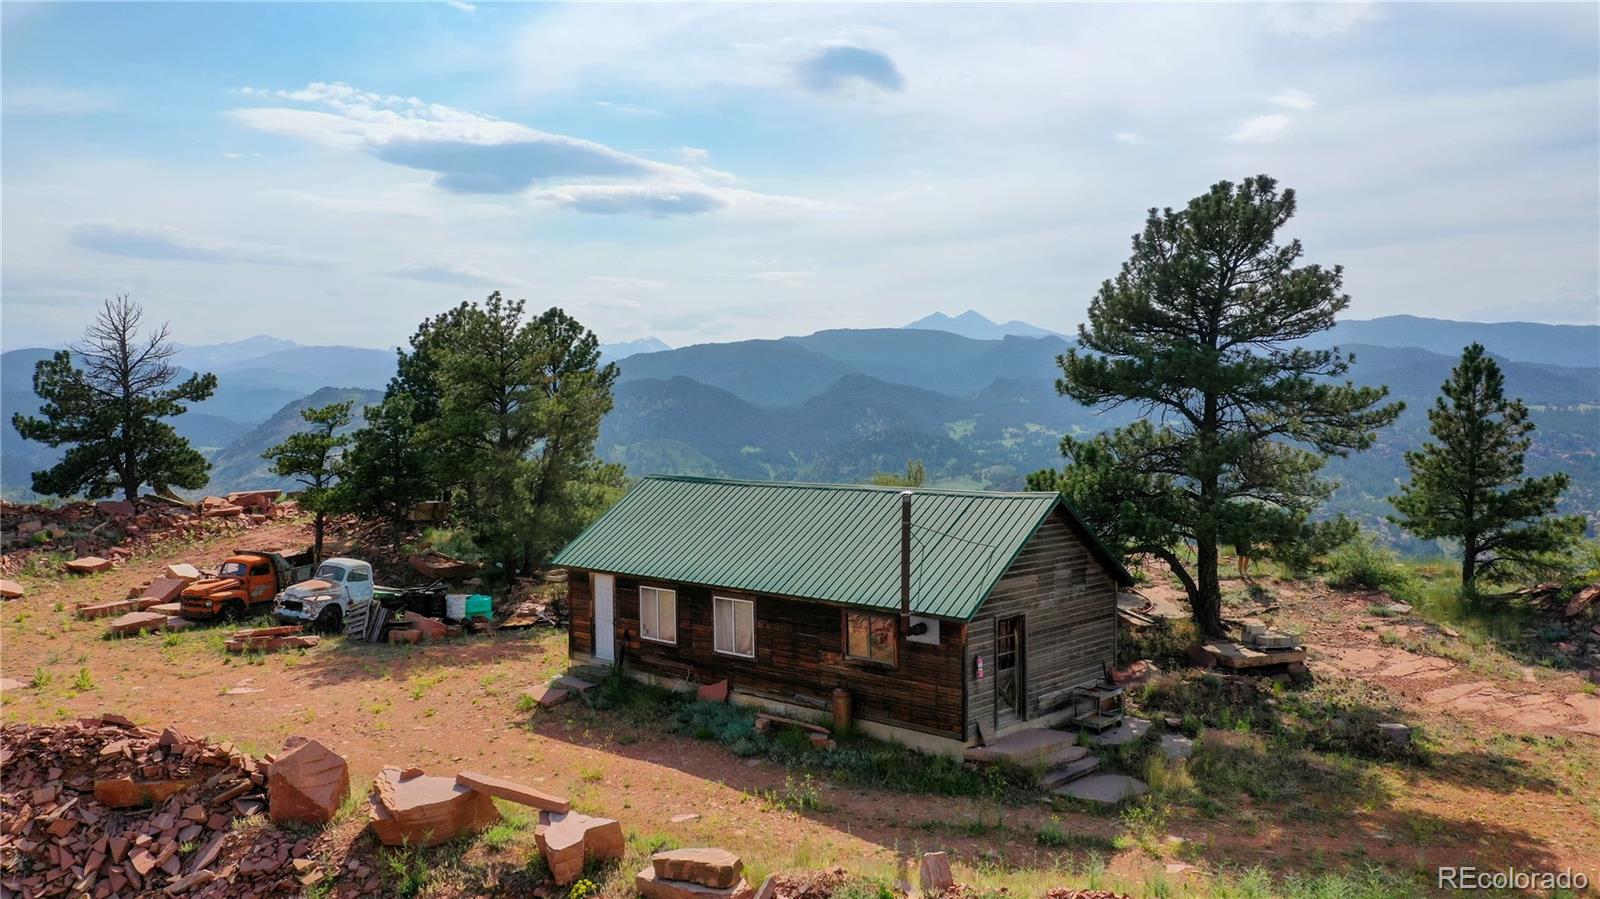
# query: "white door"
x,y
605,629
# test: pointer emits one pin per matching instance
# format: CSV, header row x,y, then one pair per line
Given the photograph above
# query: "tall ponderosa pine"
x,y
1198,331
511,407
312,458
109,412
1469,485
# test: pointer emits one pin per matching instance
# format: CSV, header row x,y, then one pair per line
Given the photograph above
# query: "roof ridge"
x,y
812,485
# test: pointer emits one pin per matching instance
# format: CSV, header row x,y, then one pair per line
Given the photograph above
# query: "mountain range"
x,y
840,405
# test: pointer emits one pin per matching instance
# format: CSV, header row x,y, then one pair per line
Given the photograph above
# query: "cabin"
x,y
949,617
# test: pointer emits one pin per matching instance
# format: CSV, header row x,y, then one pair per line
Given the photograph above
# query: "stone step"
x,y
1105,789
1064,774
1024,747
1064,756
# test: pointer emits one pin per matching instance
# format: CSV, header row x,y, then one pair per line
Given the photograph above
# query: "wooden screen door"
x,y
1010,684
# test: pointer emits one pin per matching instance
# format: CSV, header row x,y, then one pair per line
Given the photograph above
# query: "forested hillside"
x,y
840,405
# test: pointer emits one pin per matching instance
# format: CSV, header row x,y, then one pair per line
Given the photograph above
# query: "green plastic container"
x,y
479,606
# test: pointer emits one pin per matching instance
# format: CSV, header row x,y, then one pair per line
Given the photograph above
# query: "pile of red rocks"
x,y
104,808
163,591
697,874
104,533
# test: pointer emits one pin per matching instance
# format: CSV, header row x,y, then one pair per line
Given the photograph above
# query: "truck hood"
x,y
306,589
210,585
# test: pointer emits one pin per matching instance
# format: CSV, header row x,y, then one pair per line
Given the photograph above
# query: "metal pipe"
x,y
905,563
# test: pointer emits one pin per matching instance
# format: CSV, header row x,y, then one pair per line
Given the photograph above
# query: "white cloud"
x,y
1319,20
694,155
629,109
1262,129
463,5
1129,137
465,273
472,153
1299,101
144,241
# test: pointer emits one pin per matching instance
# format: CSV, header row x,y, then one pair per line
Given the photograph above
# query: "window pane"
x,y
744,637
859,635
667,615
723,625
883,639
648,614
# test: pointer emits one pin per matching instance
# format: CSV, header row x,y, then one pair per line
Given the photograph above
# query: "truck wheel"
x,y
331,621
233,610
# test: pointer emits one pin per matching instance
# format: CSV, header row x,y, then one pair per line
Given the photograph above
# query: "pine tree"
x,y
1469,485
312,457
385,470
109,412
1198,332
510,406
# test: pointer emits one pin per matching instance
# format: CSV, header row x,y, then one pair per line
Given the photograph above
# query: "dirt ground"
x,y
1516,786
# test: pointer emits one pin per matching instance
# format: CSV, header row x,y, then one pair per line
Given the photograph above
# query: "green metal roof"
x,y
833,542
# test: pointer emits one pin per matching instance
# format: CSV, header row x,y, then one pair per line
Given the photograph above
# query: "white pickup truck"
x,y
322,601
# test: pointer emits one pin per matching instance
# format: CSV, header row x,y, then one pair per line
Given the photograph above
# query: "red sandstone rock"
x,y
710,867
125,792
134,622
568,840
935,876
307,785
431,629
10,589
717,692
425,811
88,565
650,885
513,792
182,571
165,589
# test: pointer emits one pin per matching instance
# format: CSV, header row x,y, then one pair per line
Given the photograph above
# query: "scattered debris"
x,y
102,807
110,530
440,567
270,639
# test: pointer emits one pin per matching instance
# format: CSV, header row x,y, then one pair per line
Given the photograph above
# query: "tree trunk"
x,y
316,528
1469,562
1207,600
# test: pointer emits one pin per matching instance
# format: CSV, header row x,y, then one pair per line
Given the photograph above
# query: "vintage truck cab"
x,y
323,600
247,580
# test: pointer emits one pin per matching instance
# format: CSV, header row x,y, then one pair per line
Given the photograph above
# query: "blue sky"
x,y
335,173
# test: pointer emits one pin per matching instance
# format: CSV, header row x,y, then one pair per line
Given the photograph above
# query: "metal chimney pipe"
x,y
905,563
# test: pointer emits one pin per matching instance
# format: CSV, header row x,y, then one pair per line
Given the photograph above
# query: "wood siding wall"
x,y
1069,604
799,650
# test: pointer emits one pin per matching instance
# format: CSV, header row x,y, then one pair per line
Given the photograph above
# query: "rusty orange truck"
x,y
247,582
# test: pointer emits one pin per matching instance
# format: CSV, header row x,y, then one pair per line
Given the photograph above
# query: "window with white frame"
x,y
658,614
734,626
